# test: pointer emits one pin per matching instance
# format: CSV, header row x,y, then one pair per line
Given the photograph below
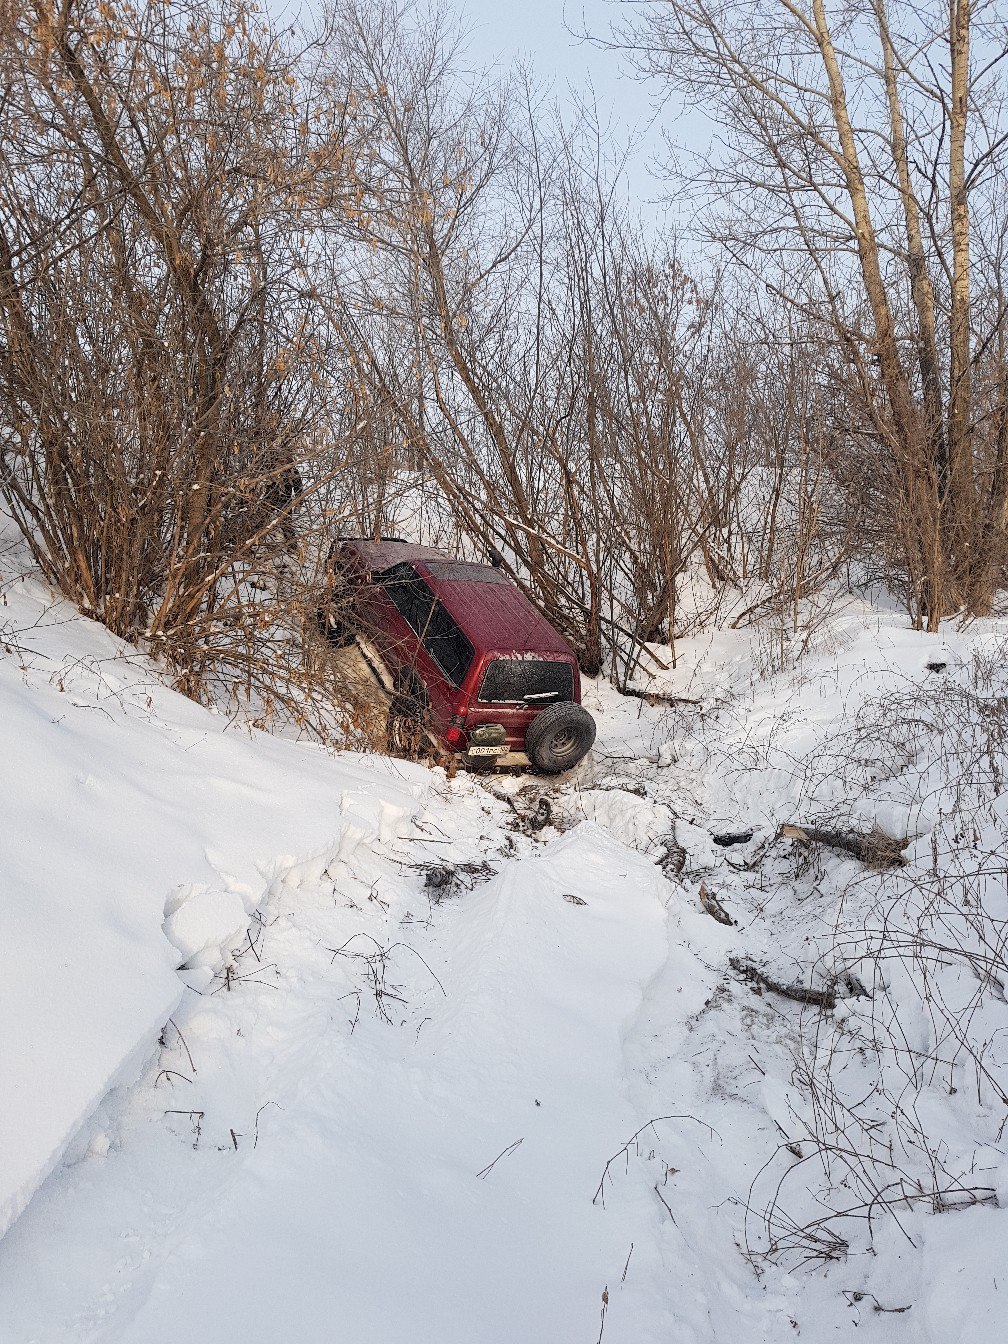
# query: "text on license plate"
x,y
489,751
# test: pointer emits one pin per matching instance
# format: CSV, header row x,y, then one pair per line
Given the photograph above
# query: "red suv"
x,y
464,654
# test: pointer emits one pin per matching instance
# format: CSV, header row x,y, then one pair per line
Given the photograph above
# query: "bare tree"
x,y
857,171
170,417
542,364
254,284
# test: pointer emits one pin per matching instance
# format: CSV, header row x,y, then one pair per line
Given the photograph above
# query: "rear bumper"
x,y
513,760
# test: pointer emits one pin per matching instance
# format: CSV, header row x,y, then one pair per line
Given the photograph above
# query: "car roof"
x,y
496,616
389,551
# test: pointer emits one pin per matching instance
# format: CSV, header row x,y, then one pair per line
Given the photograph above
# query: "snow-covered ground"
x,y
267,1075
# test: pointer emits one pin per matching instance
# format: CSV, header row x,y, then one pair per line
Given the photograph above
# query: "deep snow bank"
x,y
393,1123
115,791
431,1177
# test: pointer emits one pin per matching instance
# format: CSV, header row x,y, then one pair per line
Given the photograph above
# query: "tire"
x,y
406,731
559,737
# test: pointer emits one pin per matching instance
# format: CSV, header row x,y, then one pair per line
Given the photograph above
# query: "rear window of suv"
x,y
535,680
427,618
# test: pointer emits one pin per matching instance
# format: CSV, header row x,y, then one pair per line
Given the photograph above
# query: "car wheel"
x,y
559,737
406,733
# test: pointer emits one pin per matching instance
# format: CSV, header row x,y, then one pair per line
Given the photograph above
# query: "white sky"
x,y
540,33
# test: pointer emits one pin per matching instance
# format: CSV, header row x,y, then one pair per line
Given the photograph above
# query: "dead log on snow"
x,y
819,998
713,906
651,698
875,850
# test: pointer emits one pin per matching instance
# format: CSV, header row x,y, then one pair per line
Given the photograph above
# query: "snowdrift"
x,y
138,837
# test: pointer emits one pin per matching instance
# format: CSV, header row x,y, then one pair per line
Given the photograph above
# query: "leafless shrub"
x,y
254,284
929,944
173,419
378,964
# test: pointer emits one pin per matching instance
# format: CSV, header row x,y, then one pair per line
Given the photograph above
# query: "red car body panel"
x,y
495,617
499,617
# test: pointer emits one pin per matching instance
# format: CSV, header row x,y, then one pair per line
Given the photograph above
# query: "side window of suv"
x,y
408,593
447,645
427,618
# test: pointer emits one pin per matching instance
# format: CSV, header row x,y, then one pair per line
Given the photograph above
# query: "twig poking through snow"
x,y
605,1304
632,1140
185,1047
482,1175
259,1112
196,1119
666,1203
169,1074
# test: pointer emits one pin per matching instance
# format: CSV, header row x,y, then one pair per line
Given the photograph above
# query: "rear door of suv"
x,y
511,689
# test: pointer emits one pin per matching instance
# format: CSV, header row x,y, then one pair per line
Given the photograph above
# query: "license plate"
x,y
489,751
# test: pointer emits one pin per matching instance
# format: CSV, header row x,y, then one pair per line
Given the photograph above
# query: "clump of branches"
x,y
876,1090
256,283
173,427
858,178
568,392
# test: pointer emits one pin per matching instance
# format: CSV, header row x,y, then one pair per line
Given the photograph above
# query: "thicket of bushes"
x,y
257,285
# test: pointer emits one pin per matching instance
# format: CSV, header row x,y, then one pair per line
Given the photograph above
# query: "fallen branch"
x,y
854,1296
657,698
714,907
819,998
875,850
482,1175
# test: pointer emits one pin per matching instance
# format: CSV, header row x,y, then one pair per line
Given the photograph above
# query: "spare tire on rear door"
x,y
559,737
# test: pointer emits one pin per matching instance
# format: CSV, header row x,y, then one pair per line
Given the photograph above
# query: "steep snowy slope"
x,y
435,1072
116,791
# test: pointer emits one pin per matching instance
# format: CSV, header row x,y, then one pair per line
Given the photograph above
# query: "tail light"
x,y
457,721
